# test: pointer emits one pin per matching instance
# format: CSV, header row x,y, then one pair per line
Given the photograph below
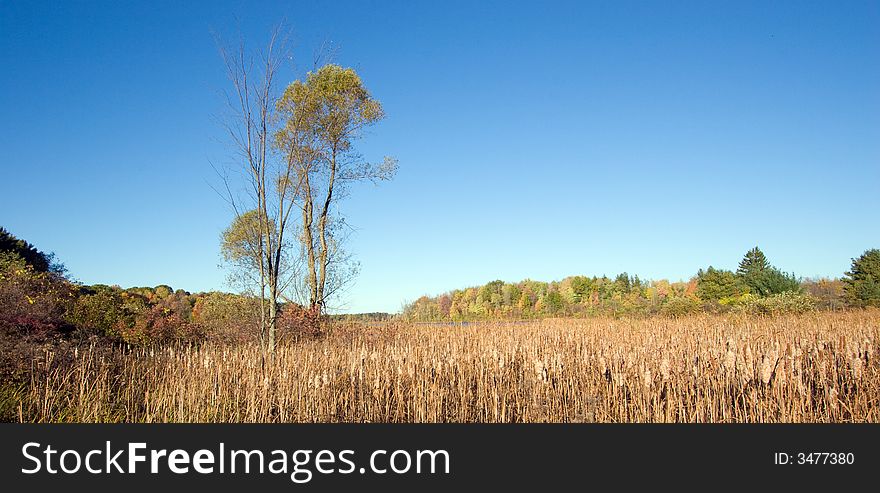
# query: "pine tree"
x,y
863,279
762,278
753,262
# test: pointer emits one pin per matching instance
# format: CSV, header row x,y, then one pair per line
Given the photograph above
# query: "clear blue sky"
x,y
535,140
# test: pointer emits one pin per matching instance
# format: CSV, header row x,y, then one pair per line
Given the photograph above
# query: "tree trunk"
x,y
322,230
273,323
309,242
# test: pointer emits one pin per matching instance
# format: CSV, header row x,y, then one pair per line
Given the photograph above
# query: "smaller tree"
x,y
581,286
862,282
714,284
553,302
774,281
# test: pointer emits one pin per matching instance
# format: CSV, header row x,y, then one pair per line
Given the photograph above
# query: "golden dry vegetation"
x,y
817,367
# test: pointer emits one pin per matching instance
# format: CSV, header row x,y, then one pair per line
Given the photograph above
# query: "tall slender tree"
x,y
324,115
262,211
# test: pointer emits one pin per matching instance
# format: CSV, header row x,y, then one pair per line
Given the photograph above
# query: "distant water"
x,y
380,323
465,324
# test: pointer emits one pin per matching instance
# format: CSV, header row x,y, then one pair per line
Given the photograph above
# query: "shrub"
x,y
97,312
167,321
33,302
678,306
829,293
228,317
788,302
298,322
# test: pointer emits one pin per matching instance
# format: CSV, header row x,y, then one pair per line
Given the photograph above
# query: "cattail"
x,y
477,373
730,360
832,398
856,364
541,371
781,376
766,370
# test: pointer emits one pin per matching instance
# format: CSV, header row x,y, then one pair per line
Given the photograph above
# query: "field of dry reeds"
x,y
817,367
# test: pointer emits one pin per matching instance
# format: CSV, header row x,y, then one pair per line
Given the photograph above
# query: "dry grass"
x,y
820,367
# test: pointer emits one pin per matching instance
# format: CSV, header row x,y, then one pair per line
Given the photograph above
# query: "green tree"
x,y
622,283
553,302
774,281
97,310
714,284
510,295
862,282
762,278
581,286
753,262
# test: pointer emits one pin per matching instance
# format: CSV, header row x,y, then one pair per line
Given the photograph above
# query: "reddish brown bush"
x,y
32,303
298,322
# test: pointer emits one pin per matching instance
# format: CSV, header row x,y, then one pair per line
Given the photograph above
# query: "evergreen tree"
x,y
714,284
753,262
862,282
762,278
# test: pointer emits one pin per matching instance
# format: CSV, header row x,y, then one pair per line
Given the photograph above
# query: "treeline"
x,y
38,302
371,317
756,287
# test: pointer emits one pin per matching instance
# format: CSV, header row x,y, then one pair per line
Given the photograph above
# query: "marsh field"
x,y
815,367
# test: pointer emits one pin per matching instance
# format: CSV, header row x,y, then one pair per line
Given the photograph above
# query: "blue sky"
x,y
535,140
